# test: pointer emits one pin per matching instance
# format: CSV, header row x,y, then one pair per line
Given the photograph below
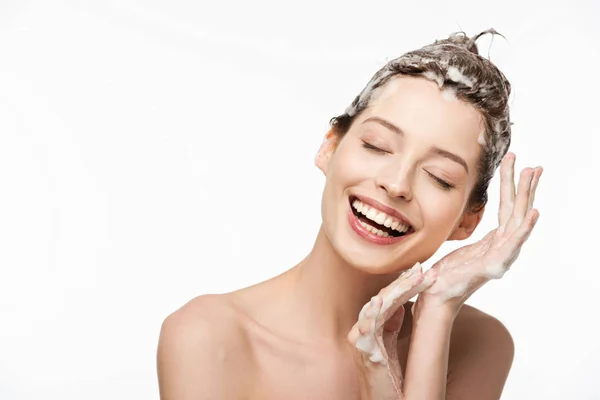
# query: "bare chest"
x,y
295,373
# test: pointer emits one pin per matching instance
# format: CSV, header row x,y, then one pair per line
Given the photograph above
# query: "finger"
x,y
537,173
430,277
400,291
405,280
390,333
518,238
522,199
507,188
366,326
394,323
353,334
367,340
420,284
371,309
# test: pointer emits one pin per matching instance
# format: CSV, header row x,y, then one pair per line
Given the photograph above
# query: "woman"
x,y
407,167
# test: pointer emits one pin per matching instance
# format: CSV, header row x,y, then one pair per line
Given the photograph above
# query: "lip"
x,y
382,207
371,237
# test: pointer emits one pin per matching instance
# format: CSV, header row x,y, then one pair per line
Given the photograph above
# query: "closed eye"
x,y
440,182
369,146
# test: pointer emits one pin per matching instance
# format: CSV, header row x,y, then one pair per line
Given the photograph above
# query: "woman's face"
x,y
412,154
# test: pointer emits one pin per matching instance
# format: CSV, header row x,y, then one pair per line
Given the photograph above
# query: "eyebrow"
x,y
433,149
385,123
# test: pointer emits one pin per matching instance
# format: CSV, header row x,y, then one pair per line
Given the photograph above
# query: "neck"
x,y
327,294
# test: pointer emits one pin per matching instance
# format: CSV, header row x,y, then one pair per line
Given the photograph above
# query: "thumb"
x,y
391,330
394,323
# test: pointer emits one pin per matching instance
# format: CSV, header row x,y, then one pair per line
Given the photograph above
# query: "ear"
x,y
326,151
467,225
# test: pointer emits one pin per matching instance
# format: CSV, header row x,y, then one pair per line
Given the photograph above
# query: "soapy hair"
x,y
454,64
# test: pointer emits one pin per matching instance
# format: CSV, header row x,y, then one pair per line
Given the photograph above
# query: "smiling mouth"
x,y
378,222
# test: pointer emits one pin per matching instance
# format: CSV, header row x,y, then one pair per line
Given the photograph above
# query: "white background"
x,y
152,151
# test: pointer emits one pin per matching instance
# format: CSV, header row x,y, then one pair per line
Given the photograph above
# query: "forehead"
x,y
423,111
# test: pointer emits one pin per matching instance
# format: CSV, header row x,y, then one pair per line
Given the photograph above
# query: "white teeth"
x,y
388,222
402,228
367,226
371,214
376,231
357,205
379,217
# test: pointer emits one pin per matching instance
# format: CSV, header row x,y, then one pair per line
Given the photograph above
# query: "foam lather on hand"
x,y
368,342
495,270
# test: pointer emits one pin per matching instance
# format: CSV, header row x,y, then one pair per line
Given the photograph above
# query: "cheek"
x,y
349,166
346,169
337,179
441,210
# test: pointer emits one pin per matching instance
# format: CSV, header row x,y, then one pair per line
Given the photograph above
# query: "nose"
x,y
396,181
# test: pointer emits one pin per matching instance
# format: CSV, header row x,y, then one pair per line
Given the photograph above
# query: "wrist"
x,y
431,307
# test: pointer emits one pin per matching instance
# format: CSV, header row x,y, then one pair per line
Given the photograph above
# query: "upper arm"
x,y
480,360
194,357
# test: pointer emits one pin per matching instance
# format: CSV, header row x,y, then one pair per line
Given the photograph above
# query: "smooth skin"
x,y
453,280
293,336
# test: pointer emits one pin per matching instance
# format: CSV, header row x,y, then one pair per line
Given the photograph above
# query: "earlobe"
x,y
467,225
325,151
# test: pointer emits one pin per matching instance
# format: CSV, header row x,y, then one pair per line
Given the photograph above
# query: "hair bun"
x,y
460,39
464,41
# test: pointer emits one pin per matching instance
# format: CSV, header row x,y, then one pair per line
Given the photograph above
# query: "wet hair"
x,y
455,65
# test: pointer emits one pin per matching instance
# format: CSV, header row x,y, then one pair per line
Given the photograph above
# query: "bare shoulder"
x,y
474,327
208,317
202,351
481,355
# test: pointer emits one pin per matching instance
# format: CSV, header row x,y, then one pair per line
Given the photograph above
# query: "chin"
x,y
380,259
367,251
372,261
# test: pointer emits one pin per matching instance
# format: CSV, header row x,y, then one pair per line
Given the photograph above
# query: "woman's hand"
x,y
462,272
374,337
